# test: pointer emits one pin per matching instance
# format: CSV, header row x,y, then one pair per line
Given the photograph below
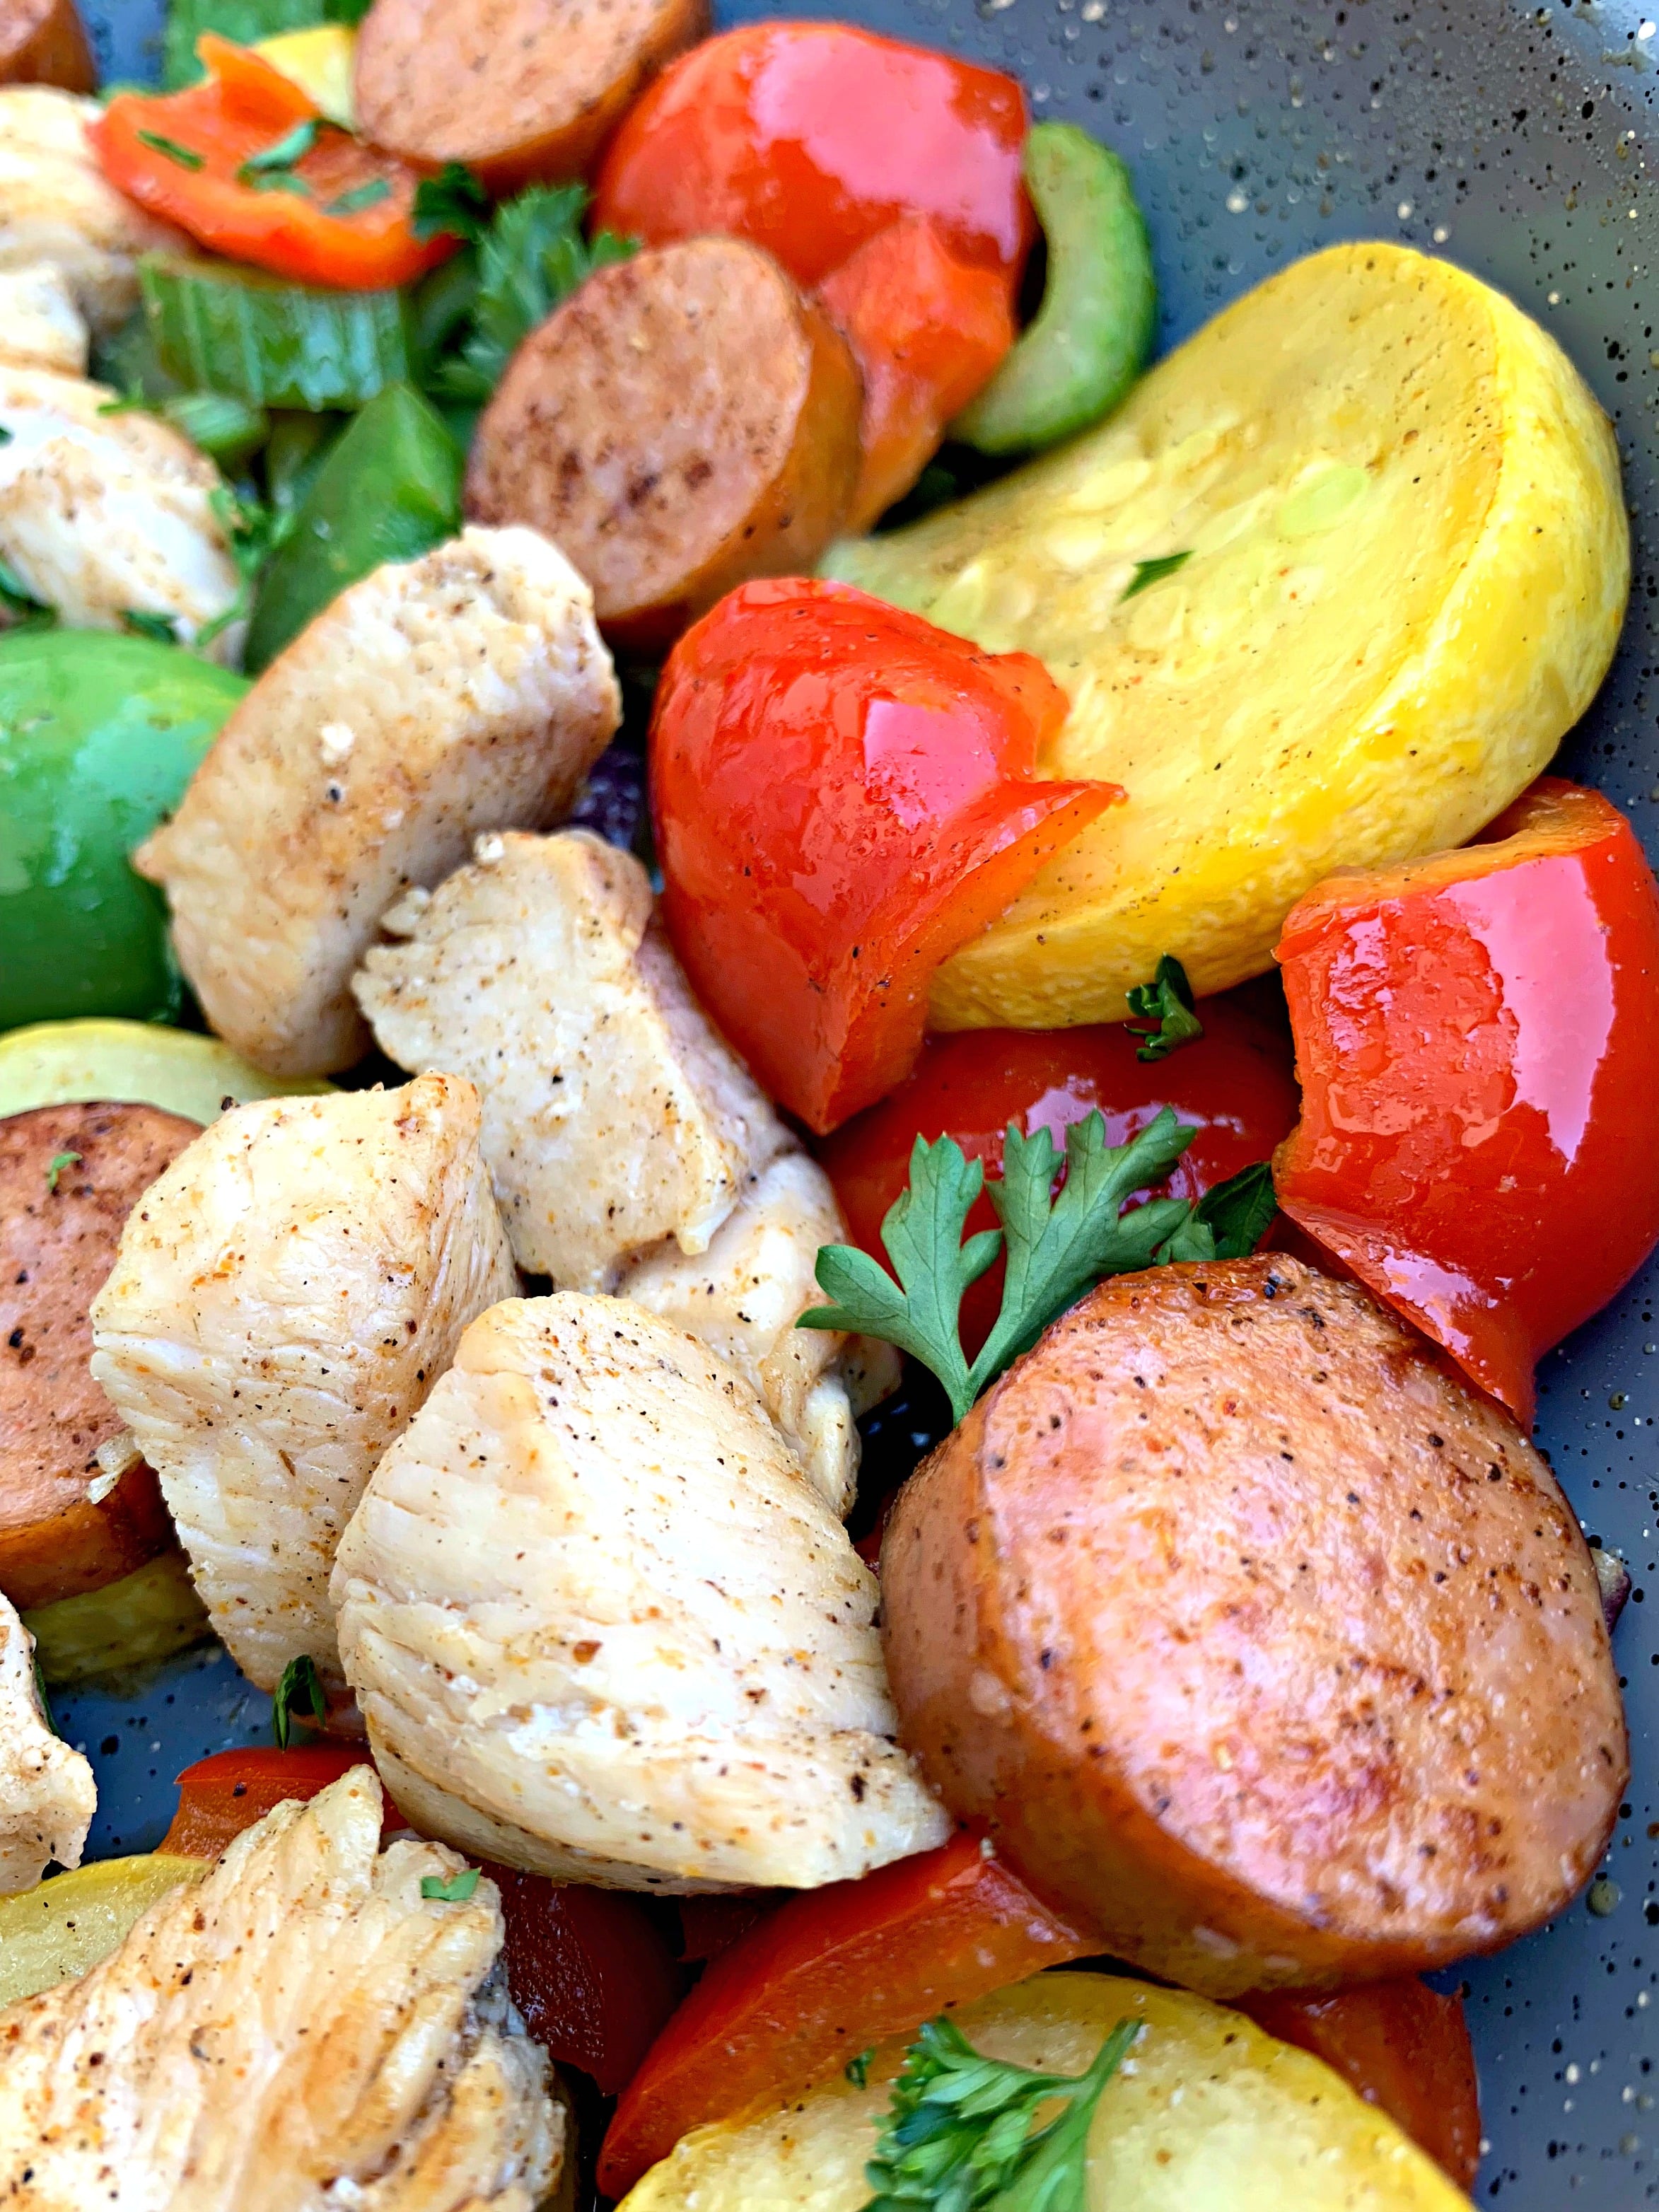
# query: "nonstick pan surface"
x,y
1514,141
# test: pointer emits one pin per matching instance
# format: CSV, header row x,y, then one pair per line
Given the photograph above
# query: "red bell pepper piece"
x,y
1476,1038
339,213
219,1796
844,795
928,329
828,1974
1404,2047
810,137
1234,1084
590,1970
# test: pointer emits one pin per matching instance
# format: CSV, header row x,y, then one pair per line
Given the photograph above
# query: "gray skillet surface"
x,y
1514,141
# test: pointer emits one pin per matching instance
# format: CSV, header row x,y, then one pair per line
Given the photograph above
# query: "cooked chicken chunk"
x,y
41,325
104,515
467,690
56,207
601,1626
285,1296
742,1298
301,2031
613,1116
47,1796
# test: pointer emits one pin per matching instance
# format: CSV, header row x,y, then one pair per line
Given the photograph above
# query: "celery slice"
x,y
219,327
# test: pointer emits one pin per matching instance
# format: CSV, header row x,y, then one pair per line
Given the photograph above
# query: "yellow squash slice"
x,y
59,1928
54,1063
1207,2114
1393,561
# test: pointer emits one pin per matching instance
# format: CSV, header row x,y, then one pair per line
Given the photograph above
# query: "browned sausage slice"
x,y
518,89
45,42
684,421
1257,1636
69,1177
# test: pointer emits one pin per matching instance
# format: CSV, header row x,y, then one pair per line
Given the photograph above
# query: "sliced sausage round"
x,y
45,42
683,422
517,90
69,1177
1257,1636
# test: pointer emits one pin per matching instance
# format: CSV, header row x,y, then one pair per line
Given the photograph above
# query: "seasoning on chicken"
x,y
307,2029
467,690
105,516
614,1116
742,1297
285,1297
41,325
47,1797
601,1627
56,207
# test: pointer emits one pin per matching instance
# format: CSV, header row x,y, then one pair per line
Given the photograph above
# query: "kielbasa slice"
x,y
686,420
1255,1633
69,1177
45,42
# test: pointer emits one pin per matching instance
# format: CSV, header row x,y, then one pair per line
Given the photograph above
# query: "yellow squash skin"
x,y
53,1063
58,1929
1206,2115
1409,560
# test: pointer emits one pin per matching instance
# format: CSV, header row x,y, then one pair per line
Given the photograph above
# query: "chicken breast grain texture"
x,y
301,2031
1255,1634
614,1115
106,515
601,1626
55,206
47,1795
465,691
41,325
284,1298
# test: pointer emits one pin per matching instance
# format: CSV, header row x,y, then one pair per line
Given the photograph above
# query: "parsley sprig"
x,y
958,2135
300,1685
1059,1243
1166,1001
454,1891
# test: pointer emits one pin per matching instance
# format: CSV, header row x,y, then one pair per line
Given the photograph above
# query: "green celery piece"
x,y
244,20
389,490
922,1233
1058,1248
229,430
1094,328
218,327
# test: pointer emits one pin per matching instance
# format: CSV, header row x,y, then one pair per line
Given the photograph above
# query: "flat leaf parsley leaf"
x,y
958,2135
60,1161
456,1891
1167,1000
454,204
1229,1222
300,1685
1059,1245
1148,573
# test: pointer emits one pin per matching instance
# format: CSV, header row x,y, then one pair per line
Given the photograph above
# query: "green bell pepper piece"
x,y
1094,330
99,735
389,491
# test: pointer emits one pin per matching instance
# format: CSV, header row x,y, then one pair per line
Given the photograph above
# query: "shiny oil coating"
x,y
59,1238
516,89
1258,1636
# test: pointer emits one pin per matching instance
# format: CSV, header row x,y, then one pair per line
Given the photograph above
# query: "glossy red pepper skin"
x,y
219,1796
828,1974
1234,1084
842,796
1404,2047
1475,1037
809,138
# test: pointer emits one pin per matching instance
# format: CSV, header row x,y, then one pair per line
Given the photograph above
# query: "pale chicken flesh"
x,y
600,1625
47,1796
41,325
302,2032
285,1298
465,691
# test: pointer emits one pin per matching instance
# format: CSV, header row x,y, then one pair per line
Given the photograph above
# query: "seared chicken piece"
x,y
600,1625
285,1296
55,206
41,325
301,2031
467,690
742,1297
101,515
613,1116
47,1796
